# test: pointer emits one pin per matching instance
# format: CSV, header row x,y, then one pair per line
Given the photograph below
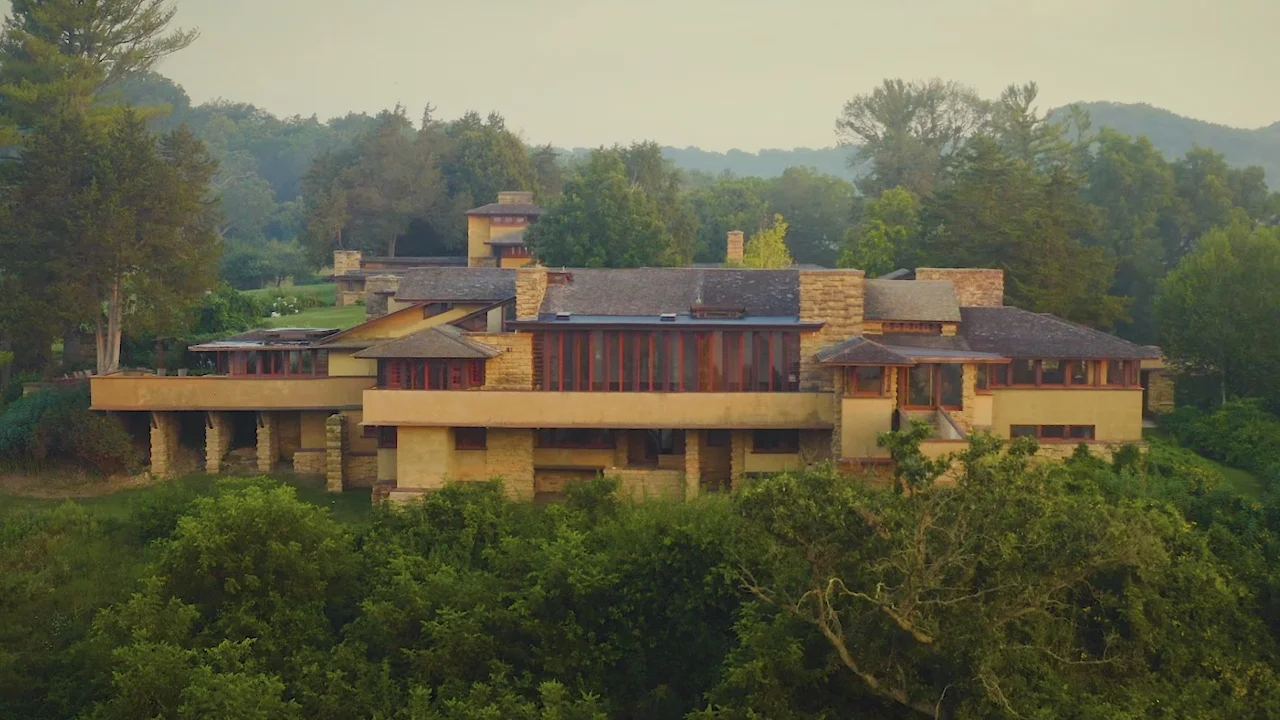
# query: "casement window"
x,y
387,438
865,381
574,438
275,363
775,441
667,361
430,374
470,438
932,385
1022,372
436,308
1053,433
1066,373
982,384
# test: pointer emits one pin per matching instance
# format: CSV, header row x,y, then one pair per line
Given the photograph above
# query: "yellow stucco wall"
x,y
525,409
387,464
342,363
982,410
771,462
426,459
356,442
477,236
422,457
1115,414
313,432
861,420
215,392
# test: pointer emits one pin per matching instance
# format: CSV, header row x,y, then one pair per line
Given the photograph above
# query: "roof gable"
x,y
860,351
441,342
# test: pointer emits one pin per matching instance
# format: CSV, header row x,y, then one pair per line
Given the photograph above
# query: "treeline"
x,y
1076,590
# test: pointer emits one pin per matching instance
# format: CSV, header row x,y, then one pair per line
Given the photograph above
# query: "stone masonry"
x,y
739,441
310,462
513,369
834,298
346,261
510,456
692,463
268,441
335,442
164,443
975,287
217,440
378,291
531,286
1160,391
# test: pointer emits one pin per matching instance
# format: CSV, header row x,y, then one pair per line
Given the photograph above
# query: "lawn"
x,y
321,317
348,507
325,292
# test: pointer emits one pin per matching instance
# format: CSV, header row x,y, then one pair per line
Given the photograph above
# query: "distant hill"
x,y
1174,135
1171,133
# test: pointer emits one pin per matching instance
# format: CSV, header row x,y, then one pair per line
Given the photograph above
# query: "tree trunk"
x,y
391,246
108,338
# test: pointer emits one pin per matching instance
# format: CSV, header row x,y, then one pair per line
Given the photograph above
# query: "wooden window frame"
x,y
851,381
1066,437
470,438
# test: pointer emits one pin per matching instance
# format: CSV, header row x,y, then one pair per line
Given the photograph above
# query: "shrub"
x,y
58,425
1240,434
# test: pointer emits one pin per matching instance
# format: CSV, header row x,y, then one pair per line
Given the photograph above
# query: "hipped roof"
x,y
1016,333
860,351
657,291
440,342
457,285
910,301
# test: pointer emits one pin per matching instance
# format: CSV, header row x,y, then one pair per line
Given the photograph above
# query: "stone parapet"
x,y
648,484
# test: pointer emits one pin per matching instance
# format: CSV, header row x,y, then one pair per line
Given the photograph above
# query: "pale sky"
x,y
721,74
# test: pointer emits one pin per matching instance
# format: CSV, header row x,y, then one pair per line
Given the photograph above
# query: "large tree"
x,y
485,158
767,249
726,204
909,132
657,178
601,220
886,233
1216,311
113,227
817,207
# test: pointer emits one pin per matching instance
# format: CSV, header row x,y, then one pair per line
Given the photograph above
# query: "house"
x,y
495,239
676,380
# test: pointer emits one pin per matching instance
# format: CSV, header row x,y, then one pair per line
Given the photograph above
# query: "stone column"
x,y
164,443
1160,392
268,441
217,440
739,441
692,463
335,433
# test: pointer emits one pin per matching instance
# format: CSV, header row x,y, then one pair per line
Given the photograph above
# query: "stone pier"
x,y
164,443
268,441
335,442
218,432
692,464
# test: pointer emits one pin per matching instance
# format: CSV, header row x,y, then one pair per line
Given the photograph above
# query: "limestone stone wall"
x,y
648,484
834,298
290,434
531,286
739,446
513,369
965,417
268,441
975,287
164,443
1160,391
692,463
310,462
1064,450
510,457
378,290
218,434
346,261
361,470
816,446
335,442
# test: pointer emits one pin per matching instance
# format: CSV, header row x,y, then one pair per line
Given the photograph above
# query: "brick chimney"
x,y
515,197
734,248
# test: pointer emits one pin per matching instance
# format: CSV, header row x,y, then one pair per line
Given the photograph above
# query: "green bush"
x,y
57,425
1241,434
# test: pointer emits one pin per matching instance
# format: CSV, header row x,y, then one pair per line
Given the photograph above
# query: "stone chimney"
x,y
346,261
531,287
975,287
379,289
515,197
735,248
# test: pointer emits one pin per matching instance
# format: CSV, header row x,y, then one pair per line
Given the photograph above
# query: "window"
x,y
430,374
574,438
1053,372
1023,372
436,308
470,438
387,438
718,438
951,386
867,381
920,386
1000,376
776,441
1052,433
983,381
1115,373
923,328
369,432
1079,373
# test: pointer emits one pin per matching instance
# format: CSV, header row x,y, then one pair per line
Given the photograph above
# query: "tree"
x,y
998,212
817,208
601,220
767,249
56,54
1214,311
887,231
1039,140
484,158
655,176
909,132
723,205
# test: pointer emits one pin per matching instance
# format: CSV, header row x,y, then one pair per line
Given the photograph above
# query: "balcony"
x,y
639,410
123,391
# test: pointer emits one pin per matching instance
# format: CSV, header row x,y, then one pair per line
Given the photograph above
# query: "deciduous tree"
x,y
767,249
885,235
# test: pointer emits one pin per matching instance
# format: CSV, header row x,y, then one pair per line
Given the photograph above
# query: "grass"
x,y
1241,482
347,507
325,292
321,317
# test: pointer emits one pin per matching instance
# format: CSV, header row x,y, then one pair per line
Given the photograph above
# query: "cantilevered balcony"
x,y
125,391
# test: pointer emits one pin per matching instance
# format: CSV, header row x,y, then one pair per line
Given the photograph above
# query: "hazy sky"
x,y
721,74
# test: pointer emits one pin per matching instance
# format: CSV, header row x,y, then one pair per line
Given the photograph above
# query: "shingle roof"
x,y
267,338
910,300
436,342
1016,333
655,291
860,351
506,209
457,285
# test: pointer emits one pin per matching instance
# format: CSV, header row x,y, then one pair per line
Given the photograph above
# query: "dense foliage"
x,y
1240,434
54,428
1073,590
